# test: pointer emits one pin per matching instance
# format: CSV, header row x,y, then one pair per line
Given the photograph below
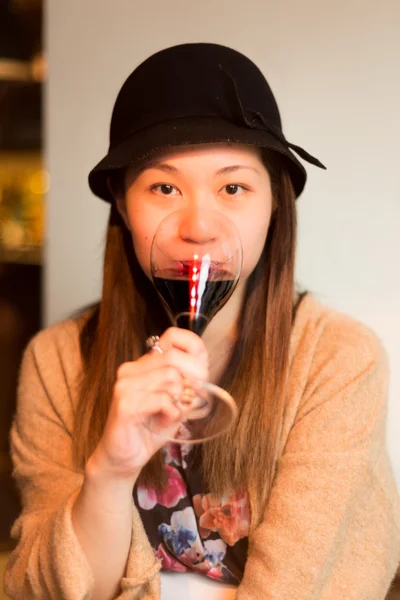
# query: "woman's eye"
x,y
232,189
164,188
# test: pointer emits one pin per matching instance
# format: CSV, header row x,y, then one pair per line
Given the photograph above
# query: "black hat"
x,y
192,94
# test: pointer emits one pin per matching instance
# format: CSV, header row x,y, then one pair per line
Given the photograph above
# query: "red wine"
x,y
193,303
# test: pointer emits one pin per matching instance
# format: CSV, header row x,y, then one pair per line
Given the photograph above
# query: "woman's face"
x,y
228,178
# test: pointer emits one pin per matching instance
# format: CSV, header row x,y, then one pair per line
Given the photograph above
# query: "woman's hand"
x,y
143,388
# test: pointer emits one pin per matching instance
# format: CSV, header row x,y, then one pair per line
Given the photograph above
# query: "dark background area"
x,y
20,272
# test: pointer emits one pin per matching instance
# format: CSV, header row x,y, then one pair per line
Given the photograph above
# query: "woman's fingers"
x,y
131,404
149,380
189,366
162,404
146,401
182,339
161,416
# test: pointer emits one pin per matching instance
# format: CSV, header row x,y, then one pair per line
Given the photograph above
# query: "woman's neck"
x,y
220,335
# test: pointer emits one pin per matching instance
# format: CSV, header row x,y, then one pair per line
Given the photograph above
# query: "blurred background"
x,y
335,70
23,187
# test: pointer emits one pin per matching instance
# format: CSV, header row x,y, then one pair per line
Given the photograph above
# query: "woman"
x,y
298,499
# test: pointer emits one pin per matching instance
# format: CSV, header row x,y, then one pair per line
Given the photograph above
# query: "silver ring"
x,y
152,343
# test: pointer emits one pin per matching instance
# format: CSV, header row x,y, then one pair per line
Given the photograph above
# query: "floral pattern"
x,y
181,540
148,497
181,534
229,516
192,530
169,562
176,454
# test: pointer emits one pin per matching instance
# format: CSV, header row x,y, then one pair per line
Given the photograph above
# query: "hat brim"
x,y
185,132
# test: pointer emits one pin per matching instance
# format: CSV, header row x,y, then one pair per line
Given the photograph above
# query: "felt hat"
x,y
191,94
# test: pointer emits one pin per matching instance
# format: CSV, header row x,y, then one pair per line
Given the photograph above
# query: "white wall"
x,y
335,69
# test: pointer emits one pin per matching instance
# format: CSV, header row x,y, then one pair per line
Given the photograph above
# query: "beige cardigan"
x,y
331,530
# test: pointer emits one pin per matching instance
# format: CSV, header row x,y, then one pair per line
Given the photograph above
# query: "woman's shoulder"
x,y
339,372
50,374
62,336
55,351
328,334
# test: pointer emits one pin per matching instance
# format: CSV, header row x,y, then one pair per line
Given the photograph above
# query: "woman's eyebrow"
x,y
160,166
234,168
224,171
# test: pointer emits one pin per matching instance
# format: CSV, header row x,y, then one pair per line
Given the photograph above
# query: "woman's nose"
x,y
196,226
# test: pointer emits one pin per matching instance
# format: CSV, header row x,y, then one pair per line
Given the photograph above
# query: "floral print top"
x,y
190,528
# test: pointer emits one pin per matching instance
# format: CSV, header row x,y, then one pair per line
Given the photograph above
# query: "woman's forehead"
x,y
198,151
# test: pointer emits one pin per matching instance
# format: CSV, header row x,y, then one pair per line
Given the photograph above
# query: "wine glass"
x,y
196,260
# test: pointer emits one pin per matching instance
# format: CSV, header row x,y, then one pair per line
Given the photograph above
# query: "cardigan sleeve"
x,y
48,561
331,527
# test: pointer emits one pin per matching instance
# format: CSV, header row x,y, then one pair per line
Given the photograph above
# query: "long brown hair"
x,y
115,331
